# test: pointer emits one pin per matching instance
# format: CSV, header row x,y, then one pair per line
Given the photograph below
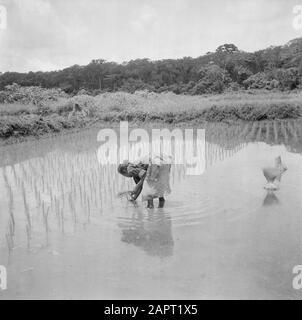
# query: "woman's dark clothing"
x,y
137,172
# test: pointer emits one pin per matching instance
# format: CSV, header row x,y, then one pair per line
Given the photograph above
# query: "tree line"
x,y
228,68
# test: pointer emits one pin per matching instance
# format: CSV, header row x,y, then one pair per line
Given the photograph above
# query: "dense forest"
x,y
226,69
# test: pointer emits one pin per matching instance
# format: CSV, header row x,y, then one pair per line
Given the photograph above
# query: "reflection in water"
x,y
151,232
270,199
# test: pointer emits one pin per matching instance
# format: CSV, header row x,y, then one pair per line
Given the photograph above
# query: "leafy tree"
x,y
288,78
227,48
242,73
226,68
212,79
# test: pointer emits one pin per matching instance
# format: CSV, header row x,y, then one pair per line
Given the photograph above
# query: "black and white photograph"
x,y
150,150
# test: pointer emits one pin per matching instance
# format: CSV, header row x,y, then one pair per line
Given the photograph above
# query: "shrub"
x,y
34,95
256,81
213,79
288,78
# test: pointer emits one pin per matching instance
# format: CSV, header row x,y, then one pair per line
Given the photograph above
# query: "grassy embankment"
x,y
21,119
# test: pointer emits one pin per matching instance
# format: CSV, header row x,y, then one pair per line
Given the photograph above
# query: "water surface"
x,y
65,234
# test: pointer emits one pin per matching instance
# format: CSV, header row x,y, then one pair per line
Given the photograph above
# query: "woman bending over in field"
x,y
151,177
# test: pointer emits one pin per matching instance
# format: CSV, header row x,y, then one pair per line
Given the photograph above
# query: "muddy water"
x,y
65,234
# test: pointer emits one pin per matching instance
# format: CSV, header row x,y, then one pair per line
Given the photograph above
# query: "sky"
x,y
44,35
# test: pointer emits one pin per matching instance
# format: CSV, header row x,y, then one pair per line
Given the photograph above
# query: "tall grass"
x,y
53,116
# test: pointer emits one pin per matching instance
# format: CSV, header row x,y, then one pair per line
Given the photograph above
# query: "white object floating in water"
x,y
273,174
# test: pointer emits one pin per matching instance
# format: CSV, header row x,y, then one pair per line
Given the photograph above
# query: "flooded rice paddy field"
x,y
65,235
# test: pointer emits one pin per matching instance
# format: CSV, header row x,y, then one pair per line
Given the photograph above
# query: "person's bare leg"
x,y
150,204
161,202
